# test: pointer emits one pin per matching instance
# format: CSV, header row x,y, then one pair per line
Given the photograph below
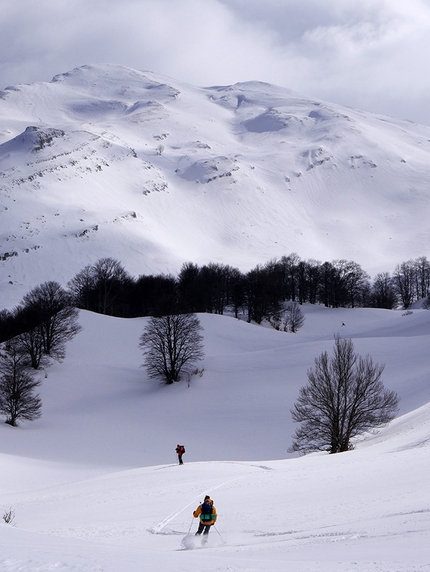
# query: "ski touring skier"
x,y
180,450
207,514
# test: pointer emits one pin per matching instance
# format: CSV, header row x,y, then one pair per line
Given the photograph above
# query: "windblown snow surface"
x,y
109,161
94,484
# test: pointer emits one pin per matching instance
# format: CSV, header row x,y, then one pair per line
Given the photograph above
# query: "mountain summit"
x,y
109,161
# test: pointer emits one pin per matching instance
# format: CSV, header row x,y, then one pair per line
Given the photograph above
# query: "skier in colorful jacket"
x,y
206,520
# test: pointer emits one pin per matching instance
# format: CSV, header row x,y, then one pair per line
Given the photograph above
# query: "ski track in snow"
x,y
159,527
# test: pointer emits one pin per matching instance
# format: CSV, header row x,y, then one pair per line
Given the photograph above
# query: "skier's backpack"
x,y
206,511
182,449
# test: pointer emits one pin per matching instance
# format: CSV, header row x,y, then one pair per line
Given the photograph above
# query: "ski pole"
x,y
219,534
189,530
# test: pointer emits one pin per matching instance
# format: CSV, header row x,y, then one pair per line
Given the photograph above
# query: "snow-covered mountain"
x,y
110,161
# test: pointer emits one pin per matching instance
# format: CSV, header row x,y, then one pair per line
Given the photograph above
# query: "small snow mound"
x,y
32,139
268,121
320,114
205,171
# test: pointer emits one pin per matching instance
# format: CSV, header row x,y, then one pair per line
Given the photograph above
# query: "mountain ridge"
x,y
109,161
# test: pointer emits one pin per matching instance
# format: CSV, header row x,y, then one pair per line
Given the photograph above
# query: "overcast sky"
x,y
369,54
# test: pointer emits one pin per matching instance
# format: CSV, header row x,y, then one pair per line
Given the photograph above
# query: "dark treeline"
x,y
107,288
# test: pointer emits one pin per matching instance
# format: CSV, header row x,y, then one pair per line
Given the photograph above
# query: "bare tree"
x,y
171,345
82,288
290,319
294,318
422,275
383,294
109,276
404,280
17,385
57,320
343,398
31,344
101,287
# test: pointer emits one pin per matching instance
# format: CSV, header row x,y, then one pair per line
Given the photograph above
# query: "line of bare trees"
x,y
107,288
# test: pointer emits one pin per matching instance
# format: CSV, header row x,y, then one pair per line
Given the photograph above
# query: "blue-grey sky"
x,y
369,54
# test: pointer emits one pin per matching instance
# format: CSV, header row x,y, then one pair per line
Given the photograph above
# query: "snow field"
x,y
94,483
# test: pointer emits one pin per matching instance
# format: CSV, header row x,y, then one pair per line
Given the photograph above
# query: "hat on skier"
x,y
207,497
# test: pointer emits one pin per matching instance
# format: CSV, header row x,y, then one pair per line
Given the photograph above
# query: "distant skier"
x,y
207,513
180,450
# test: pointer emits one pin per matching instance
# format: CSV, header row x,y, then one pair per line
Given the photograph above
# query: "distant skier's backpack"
x,y
206,511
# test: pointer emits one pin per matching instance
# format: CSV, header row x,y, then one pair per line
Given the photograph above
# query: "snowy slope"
x,y
102,370
110,161
94,484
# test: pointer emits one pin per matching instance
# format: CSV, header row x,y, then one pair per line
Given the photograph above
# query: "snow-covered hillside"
x,y
110,161
252,377
94,483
